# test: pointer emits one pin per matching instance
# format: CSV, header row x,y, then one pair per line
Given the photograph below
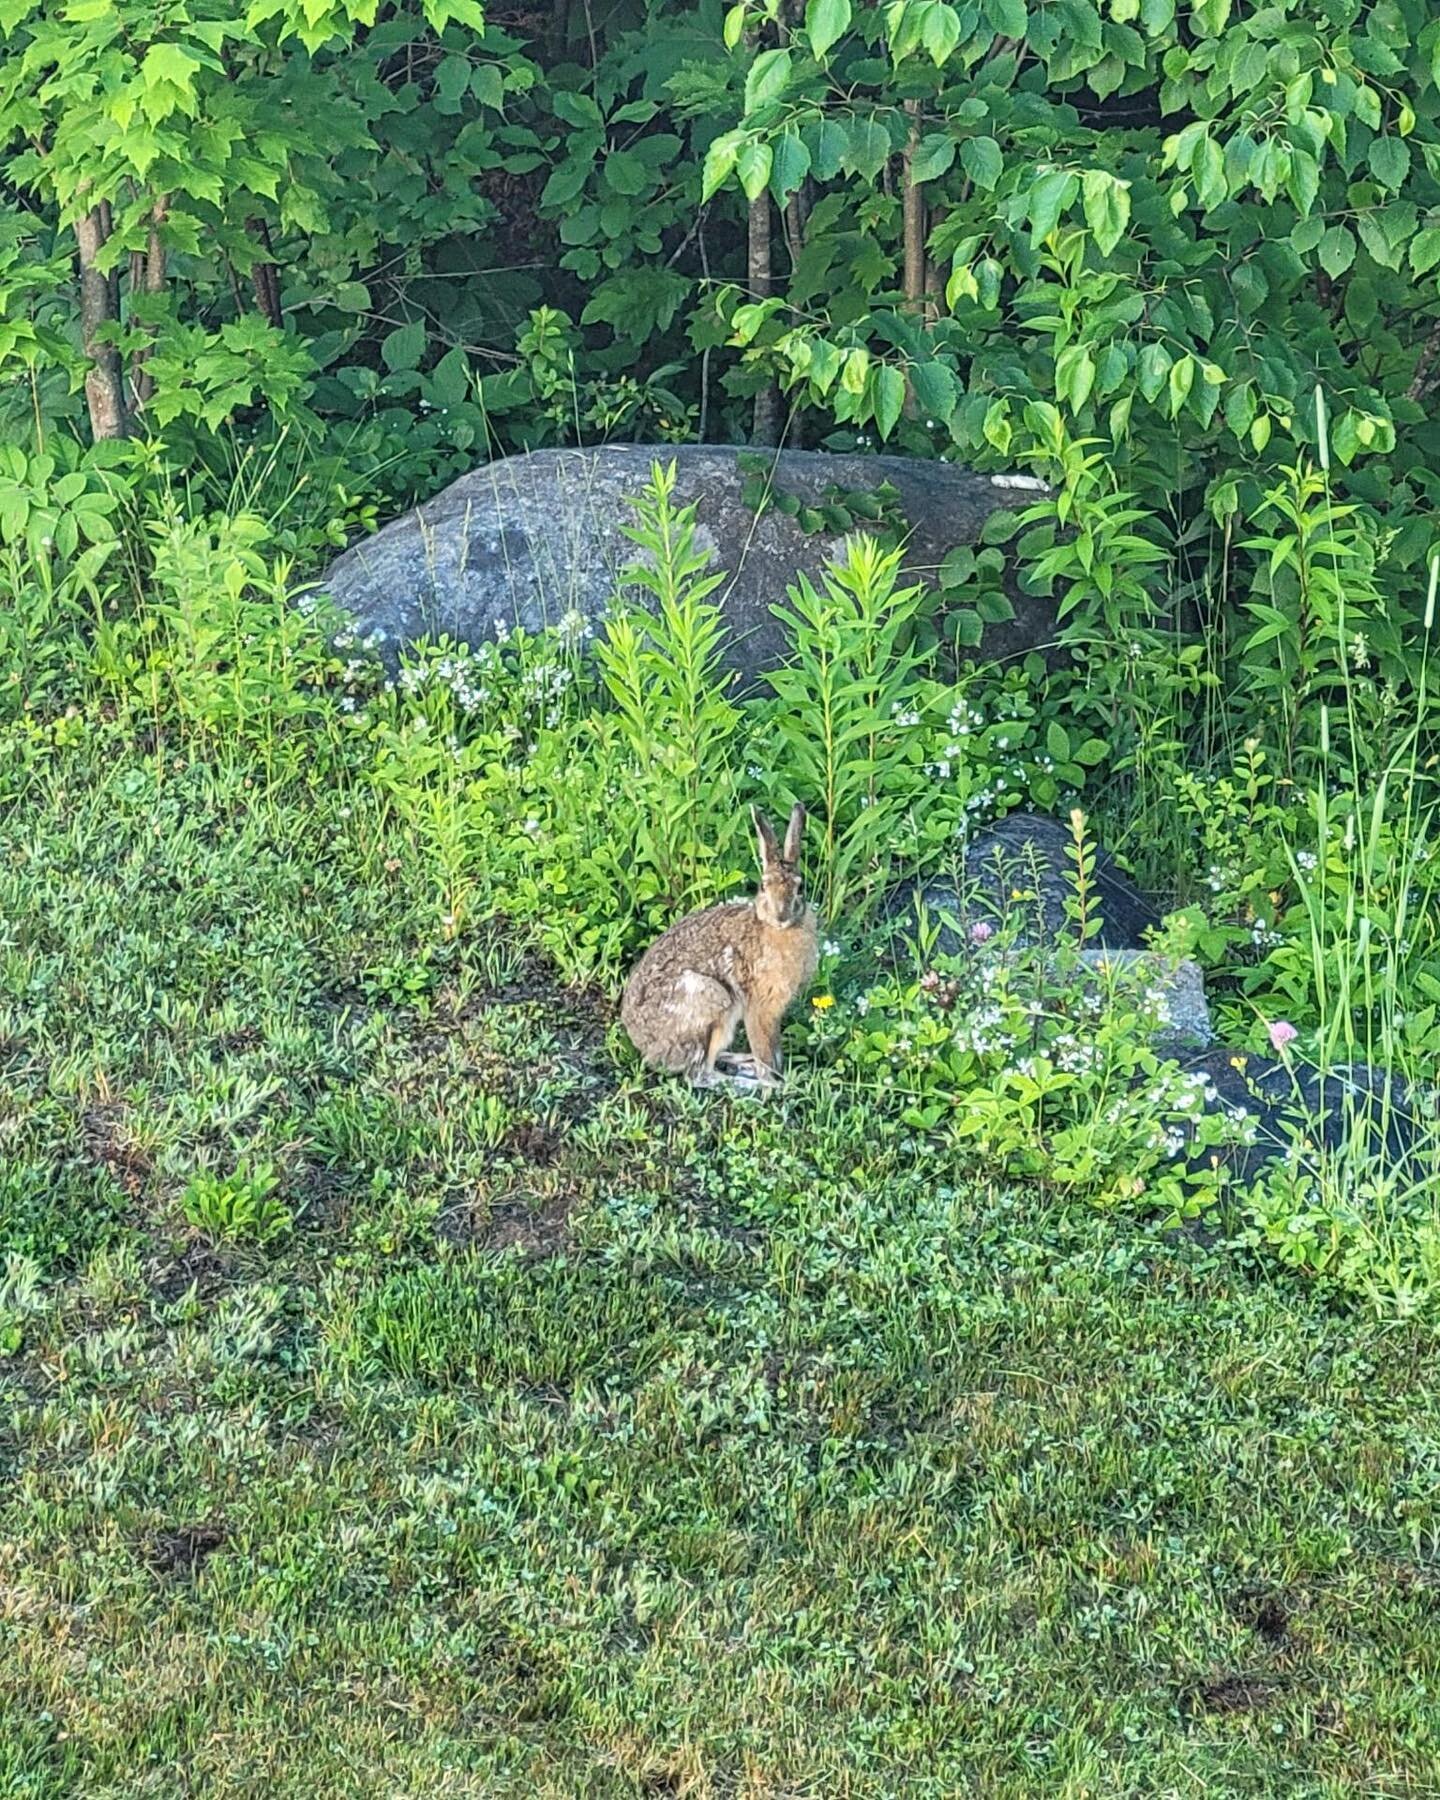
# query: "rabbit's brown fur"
x,y
743,962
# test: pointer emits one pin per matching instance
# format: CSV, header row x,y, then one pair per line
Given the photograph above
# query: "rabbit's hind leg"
x,y
709,1017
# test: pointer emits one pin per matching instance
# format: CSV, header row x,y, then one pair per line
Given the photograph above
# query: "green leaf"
x,y
449,380
1049,197
936,390
1389,161
720,161
1107,207
1074,375
1008,17
790,166
941,31
403,347
932,157
826,22
867,149
626,173
1182,379
887,397
856,371
1425,250
567,181
829,144
1337,250
1057,741
1208,168
769,74
752,164
170,63
1373,236
637,303
578,110
487,84
452,82
981,160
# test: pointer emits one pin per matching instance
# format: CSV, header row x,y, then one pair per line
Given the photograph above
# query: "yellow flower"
x,y
823,1000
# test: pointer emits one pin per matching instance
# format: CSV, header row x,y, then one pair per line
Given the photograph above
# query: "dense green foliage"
x,y
1152,226
587,793
400,1393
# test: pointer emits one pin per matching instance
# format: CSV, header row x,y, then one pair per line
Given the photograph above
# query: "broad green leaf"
x,y
1389,161
1425,250
1074,375
933,156
1182,379
449,381
790,166
981,160
1208,168
1107,207
888,397
752,165
936,390
1337,250
826,22
1049,197
452,83
868,148
719,162
829,143
1007,17
487,84
857,368
403,347
940,32
169,63
626,173
769,74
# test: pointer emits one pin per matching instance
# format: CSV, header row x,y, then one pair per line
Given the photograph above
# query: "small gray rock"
x,y
1178,984
527,539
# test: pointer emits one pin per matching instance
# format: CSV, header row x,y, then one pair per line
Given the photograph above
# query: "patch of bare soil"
x,y
178,1554
105,1144
1231,1693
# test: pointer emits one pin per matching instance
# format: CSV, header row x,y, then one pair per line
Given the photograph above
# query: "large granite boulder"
x,y
528,539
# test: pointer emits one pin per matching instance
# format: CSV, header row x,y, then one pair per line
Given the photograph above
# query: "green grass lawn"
x,y
585,1437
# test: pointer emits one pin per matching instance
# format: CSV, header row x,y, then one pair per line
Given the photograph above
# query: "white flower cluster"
x,y
463,672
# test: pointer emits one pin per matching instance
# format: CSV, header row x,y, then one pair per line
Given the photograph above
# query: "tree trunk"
x,y
914,219
765,428
264,277
104,382
153,282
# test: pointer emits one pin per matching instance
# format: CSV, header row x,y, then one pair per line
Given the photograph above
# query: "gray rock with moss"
x,y
528,539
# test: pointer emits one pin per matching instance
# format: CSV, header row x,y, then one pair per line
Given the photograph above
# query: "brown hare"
x,y
743,962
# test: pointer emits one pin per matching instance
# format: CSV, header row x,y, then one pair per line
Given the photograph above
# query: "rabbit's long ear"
x,y
794,832
768,843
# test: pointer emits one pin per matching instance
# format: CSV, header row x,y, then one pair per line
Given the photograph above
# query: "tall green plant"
x,y
662,664
842,702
